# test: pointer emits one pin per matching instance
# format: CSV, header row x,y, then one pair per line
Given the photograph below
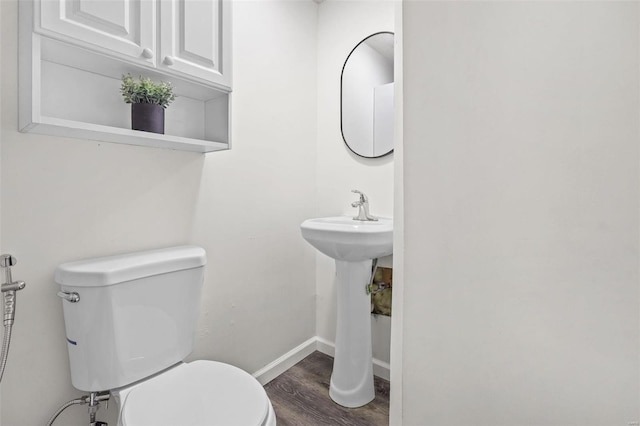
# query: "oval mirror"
x,y
366,97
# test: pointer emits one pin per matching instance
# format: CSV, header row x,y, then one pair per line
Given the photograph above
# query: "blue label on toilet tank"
x,y
71,341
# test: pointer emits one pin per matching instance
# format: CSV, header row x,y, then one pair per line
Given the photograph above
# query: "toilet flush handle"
x,y
70,297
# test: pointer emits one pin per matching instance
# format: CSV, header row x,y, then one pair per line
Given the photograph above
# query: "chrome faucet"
x,y
363,207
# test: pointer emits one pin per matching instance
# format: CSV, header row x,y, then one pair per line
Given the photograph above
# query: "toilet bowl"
x,y
197,393
130,322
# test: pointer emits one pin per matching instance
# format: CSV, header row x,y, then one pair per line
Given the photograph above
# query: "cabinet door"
x,y
124,27
195,39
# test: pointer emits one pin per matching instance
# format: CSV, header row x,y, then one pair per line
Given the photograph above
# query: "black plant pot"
x,y
147,117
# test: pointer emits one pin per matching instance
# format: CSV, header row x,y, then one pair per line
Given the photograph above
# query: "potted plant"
x,y
148,101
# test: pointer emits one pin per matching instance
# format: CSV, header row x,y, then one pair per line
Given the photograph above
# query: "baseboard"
x,y
325,346
380,368
285,362
297,354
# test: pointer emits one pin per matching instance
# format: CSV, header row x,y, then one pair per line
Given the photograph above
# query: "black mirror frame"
x,y
341,76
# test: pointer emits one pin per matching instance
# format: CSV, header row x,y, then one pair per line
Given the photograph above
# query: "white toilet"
x,y
130,321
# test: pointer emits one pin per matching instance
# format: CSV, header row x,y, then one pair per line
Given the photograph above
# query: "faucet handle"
x,y
363,197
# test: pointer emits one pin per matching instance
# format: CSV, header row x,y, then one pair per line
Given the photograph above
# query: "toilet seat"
x,y
199,393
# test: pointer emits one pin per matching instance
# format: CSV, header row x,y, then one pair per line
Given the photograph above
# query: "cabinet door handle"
x,y
168,60
147,53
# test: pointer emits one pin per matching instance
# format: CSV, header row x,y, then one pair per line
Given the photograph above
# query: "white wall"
x,y
0,169
65,199
0,143
253,198
521,299
342,24
397,325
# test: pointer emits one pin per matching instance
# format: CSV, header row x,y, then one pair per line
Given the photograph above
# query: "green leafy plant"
x,y
145,91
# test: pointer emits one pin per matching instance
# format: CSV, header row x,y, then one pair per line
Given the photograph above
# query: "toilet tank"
x,y
136,316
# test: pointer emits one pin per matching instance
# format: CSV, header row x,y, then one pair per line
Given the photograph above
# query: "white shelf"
x,y
69,91
77,129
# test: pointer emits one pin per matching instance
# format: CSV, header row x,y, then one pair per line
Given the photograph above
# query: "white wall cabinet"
x,y
191,38
121,27
194,39
73,54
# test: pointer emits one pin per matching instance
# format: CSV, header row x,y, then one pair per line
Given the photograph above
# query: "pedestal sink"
x,y
353,244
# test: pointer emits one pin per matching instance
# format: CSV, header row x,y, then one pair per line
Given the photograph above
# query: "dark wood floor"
x,y
300,397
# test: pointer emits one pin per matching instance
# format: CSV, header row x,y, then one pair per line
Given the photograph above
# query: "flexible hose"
x,y
64,407
6,339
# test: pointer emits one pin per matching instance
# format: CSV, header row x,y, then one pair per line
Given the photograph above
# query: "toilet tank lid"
x,y
109,270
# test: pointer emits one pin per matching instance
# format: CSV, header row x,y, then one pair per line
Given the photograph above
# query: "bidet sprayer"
x,y
363,207
9,288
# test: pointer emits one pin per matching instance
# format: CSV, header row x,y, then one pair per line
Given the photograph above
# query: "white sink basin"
x,y
343,238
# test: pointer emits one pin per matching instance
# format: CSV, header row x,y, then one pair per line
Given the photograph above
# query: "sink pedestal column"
x,y
352,376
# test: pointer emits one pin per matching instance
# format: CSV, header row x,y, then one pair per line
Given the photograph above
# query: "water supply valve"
x,y
375,288
7,260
